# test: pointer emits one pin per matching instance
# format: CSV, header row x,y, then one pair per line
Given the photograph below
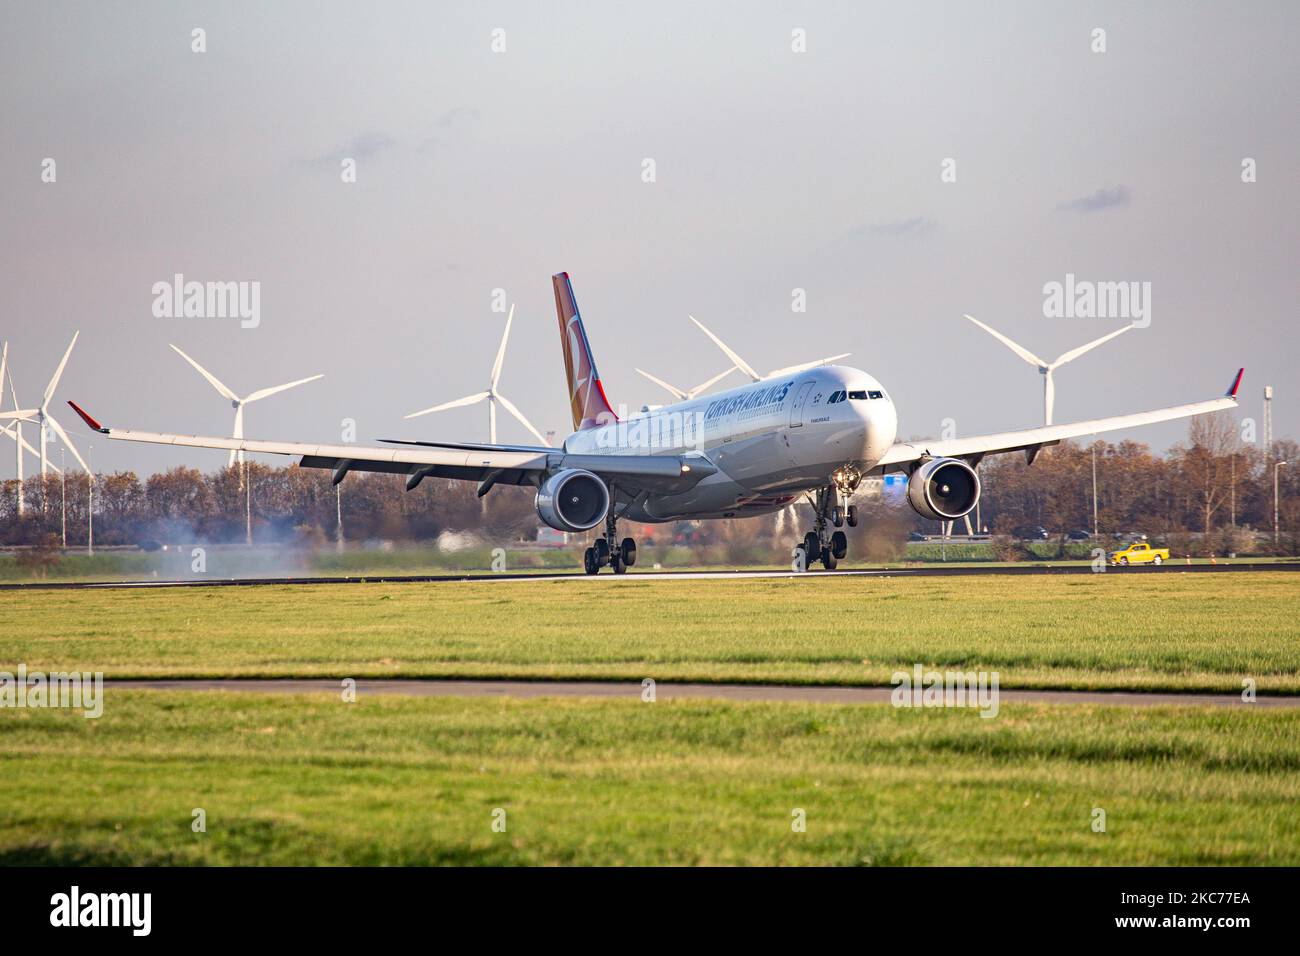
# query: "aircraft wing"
x,y
487,464
1030,440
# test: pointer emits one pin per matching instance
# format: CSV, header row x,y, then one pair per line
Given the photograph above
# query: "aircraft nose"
x,y
879,427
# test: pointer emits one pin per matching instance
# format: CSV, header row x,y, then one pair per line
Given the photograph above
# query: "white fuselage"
x,y
770,441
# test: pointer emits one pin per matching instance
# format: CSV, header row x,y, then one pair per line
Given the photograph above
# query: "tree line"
x,y
1210,494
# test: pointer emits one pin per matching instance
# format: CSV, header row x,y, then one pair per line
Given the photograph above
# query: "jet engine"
x,y
943,489
572,500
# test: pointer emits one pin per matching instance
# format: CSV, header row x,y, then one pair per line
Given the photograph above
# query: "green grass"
x,y
391,780
1113,630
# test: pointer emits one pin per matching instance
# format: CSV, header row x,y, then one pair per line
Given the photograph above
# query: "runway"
x,y
648,575
633,690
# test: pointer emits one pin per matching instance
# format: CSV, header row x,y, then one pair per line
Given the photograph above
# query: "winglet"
x,y
1236,383
87,419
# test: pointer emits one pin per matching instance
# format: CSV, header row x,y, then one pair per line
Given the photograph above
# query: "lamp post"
x,y
1232,488
338,517
1096,532
1275,524
90,505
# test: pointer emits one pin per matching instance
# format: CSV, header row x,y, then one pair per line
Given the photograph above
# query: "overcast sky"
x,y
774,170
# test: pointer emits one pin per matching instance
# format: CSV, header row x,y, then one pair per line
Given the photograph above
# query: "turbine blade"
x,y
1073,354
58,373
22,414
212,379
13,432
736,360
705,386
501,350
4,368
510,407
264,392
457,403
36,453
673,390
793,369
63,436
1020,350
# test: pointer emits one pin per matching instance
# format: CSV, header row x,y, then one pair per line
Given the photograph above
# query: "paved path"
x,y
485,576
419,687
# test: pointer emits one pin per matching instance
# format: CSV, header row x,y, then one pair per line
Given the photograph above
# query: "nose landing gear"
x,y
829,508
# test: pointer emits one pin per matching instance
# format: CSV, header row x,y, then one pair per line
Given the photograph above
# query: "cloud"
x,y
1112,198
459,118
459,115
901,229
362,146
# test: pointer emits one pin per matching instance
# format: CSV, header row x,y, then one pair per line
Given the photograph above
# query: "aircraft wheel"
x,y
801,557
602,552
627,551
811,546
829,561
839,544
616,562
589,562
852,516
837,517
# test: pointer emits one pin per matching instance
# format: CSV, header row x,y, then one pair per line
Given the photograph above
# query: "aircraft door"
x,y
800,398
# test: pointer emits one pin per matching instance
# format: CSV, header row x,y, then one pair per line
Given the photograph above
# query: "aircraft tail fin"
x,y
587,398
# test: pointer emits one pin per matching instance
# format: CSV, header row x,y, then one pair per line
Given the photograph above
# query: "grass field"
x,y
312,780
306,779
1104,631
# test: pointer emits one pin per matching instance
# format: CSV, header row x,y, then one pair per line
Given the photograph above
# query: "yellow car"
x,y
1139,553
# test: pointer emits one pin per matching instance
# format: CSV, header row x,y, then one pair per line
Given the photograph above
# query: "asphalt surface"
x,y
417,687
925,572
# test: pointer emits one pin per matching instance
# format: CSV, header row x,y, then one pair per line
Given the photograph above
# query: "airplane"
x,y
752,450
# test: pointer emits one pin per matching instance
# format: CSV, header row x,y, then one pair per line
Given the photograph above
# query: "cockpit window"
x,y
835,398
858,396
875,394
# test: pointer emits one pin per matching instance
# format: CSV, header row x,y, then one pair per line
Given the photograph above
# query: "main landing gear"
x,y
830,510
619,555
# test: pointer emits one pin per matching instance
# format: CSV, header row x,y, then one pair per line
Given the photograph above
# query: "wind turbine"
x,y
745,367
43,417
1047,368
239,403
14,429
492,396
686,394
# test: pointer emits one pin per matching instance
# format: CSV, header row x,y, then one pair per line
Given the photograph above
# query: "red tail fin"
x,y
587,398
